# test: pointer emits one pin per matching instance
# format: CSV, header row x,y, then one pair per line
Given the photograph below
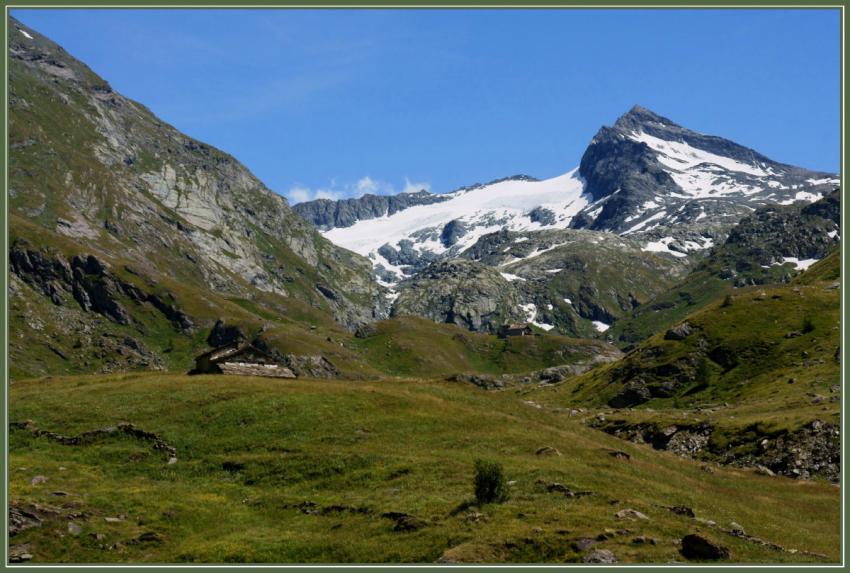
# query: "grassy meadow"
x,y
305,471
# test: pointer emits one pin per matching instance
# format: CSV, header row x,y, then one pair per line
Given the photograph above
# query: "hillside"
x,y
307,471
771,245
761,363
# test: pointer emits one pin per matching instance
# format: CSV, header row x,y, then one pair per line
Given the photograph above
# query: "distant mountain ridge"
x,y
675,188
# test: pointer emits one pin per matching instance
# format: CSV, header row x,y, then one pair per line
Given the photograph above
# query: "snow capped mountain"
x,y
675,189
647,172
423,232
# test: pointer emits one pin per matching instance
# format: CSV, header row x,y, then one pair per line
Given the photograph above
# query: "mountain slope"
x,y
94,173
761,363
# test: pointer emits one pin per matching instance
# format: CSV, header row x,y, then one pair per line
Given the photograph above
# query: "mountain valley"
x,y
648,346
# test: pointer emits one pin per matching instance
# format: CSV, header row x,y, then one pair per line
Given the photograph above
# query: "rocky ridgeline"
x,y
327,214
756,249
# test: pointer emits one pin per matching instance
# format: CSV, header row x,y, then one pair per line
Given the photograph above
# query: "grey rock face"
x,y
460,292
542,215
88,280
326,214
452,232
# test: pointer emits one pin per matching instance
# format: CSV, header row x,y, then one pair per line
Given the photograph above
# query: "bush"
x,y
490,486
727,301
808,325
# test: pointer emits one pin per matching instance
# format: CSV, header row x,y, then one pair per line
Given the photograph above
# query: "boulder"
x,y
311,366
679,332
547,451
695,546
599,556
630,514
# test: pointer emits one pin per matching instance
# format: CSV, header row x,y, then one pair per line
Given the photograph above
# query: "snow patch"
x,y
643,223
680,156
600,326
801,265
510,277
824,181
663,246
530,311
25,34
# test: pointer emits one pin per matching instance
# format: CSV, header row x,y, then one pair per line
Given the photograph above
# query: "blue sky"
x,y
328,103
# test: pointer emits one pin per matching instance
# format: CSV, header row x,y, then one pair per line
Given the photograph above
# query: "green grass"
x,y
250,450
695,292
412,346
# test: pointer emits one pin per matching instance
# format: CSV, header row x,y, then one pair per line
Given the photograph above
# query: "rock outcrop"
x,y
460,292
812,450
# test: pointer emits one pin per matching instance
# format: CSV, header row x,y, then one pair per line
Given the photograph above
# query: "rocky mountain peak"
x,y
638,117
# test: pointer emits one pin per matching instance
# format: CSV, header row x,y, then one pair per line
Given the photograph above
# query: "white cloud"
x,y
299,194
364,185
410,187
367,185
329,194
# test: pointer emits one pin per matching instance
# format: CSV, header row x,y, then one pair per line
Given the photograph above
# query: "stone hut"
x,y
240,358
516,329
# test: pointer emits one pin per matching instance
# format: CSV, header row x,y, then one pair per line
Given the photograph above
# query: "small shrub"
x,y
490,485
808,325
727,301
